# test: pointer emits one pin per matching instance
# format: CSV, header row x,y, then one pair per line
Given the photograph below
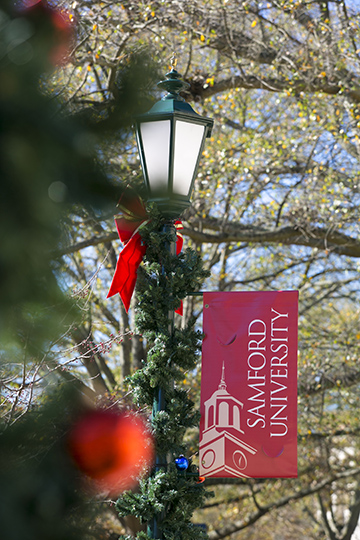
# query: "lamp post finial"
x,y
173,83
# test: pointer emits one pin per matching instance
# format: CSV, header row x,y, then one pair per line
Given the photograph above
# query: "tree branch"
x,y
272,84
317,237
239,525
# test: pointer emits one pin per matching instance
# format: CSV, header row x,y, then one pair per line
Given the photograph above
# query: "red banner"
x,y
248,408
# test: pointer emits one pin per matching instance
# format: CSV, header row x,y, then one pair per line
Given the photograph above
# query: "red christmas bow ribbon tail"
x,y
129,260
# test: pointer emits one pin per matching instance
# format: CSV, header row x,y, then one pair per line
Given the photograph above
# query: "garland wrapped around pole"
x,y
167,498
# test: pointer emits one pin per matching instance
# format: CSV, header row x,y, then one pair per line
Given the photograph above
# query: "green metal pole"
x,y
159,404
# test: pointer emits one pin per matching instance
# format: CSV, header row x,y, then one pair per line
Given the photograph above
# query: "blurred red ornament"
x,y
59,25
111,448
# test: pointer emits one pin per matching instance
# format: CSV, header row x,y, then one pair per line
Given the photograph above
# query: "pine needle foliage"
x,y
164,281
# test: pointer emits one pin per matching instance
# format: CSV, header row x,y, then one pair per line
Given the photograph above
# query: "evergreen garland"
x,y
164,281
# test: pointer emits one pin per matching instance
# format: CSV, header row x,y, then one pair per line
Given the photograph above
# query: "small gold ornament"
x,y
173,61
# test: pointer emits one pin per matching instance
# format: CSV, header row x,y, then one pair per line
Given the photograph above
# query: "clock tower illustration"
x,y
222,453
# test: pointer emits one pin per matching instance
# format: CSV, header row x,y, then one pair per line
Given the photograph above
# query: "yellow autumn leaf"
x,y
253,24
202,37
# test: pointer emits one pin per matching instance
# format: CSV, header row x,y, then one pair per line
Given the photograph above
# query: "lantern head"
x,y
170,140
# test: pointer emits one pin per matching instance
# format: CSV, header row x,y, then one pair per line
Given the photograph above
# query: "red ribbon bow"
x,y
130,257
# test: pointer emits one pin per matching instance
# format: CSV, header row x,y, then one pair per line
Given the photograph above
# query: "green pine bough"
x,y
165,279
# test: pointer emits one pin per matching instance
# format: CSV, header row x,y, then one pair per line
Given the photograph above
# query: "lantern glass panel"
x,y
188,141
156,144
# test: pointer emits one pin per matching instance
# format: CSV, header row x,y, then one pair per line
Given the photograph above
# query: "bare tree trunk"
x,y
139,353
81,337
334,530
126,344
354,515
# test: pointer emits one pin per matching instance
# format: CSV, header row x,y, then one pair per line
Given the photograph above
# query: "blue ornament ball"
x,y
181,463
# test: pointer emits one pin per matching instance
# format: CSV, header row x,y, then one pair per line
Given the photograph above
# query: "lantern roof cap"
x,y
172,104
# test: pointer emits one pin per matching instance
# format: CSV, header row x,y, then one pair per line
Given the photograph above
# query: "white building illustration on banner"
x,y
221,450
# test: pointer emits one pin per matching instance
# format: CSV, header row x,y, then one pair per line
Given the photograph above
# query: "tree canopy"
x,y
275,206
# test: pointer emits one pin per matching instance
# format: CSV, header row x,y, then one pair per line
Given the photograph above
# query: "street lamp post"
x,y
170,139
